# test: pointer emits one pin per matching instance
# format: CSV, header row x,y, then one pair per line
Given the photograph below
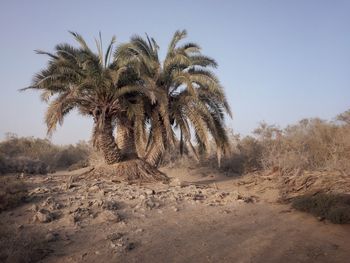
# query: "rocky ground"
x,y
201,216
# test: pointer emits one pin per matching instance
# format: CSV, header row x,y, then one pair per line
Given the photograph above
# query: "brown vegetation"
x,y
311,144
39,156
335,208
12,192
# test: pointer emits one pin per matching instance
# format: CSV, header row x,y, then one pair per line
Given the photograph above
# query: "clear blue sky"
x,y
279,61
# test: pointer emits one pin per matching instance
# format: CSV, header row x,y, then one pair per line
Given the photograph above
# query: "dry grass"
x,y
335,208
39,156
12,192
311,144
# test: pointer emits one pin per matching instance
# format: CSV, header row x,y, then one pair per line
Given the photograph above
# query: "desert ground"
x,y
200,216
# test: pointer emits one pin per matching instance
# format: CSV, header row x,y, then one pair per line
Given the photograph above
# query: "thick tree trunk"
x,y
126,139
156,152
123,164
106,143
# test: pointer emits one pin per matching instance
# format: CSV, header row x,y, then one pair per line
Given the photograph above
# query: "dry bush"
x,y
23,164
23,246
12,192
312,144
335,208
73,156
244,156
39,156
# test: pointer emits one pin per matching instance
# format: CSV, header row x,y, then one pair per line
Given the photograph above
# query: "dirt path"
x,y
103,221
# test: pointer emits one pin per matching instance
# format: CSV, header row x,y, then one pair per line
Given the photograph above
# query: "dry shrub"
x,y
335,208
12,192
243,156
22,246
312,144
39,156
73,156
25,165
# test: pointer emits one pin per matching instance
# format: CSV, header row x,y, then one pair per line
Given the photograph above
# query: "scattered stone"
x,y
79,214
175,182
50,237
139,230
69,182
151,203
38,190
199,197
130,246
110,205
51,204
115,236
43,216
34,208
110,216
150,192
94,188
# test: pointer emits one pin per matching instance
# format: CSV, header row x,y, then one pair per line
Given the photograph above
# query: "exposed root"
x,y
135,171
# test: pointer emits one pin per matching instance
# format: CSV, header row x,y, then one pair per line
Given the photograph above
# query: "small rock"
x,y
50,237
110,216
43,216
94,188
39,190
249,199
176,182
321,218
130,246
110,205
139,230
150,204
150,192
34,208
115,236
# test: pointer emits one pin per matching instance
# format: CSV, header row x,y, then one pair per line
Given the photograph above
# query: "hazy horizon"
x,y
279,61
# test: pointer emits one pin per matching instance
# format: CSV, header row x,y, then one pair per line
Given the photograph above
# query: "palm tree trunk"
x,y
126,139
106,142
155,153
123,163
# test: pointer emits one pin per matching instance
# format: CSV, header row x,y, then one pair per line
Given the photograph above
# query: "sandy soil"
x,y
201,216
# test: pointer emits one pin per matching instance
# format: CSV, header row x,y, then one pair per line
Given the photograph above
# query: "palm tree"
x,y
189,97
108,91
